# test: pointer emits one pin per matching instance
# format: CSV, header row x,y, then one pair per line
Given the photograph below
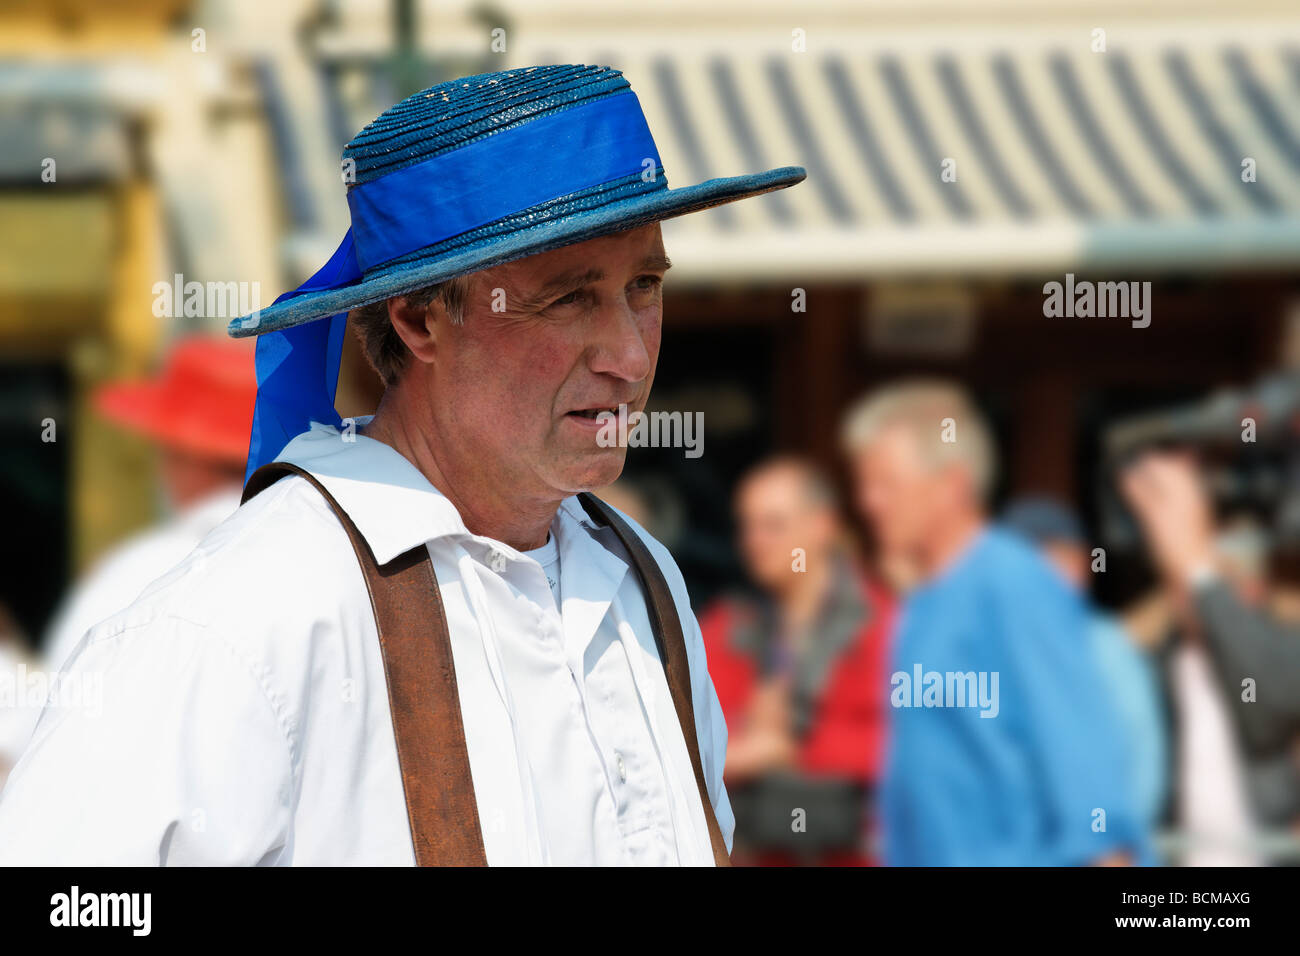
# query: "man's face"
x,y
898,493
547,343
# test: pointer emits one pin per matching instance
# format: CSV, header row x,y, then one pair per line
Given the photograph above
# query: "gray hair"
x,y
923,407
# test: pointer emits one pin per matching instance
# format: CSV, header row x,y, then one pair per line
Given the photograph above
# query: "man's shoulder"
x,y
1025,594
1006,563
271,599
280,555
998,546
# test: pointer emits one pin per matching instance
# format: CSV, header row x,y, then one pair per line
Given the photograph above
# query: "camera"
x,y
1248,443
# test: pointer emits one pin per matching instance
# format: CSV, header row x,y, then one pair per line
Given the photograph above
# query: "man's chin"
x,y
594,470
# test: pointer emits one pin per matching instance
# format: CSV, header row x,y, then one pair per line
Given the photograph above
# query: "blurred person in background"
x,y
1233,670
1003,747
1058,534
800,673
199,414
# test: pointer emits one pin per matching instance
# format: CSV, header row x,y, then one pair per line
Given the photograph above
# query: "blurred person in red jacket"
x,y
799,670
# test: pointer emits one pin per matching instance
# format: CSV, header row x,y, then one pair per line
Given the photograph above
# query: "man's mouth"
x,y
594,420
593,414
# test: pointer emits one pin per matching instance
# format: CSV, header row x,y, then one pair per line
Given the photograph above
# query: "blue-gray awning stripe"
x,y
968,116
742,130
860,128
1264,106
821,173
1230,152
928,152
665,74
1116,172
1009,83
1121,72
1292,57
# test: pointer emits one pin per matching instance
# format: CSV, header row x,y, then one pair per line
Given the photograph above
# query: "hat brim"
x,y
552,234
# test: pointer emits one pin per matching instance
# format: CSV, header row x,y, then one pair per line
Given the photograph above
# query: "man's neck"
x,y
522,524
949,543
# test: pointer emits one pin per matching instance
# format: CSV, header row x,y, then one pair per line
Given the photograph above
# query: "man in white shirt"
x,y
245,715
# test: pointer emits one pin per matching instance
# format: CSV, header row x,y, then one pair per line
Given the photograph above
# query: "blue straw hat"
x,y
563,153
462,176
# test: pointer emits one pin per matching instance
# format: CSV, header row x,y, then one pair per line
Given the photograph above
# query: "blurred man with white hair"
x,y
1003,750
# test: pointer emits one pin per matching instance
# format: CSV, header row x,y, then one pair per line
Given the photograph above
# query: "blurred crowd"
x,y
960,699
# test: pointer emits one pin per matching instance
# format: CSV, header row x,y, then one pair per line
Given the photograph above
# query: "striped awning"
x,y
1063,157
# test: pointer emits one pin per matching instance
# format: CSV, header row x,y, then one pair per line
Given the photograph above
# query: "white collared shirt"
x,y
244,715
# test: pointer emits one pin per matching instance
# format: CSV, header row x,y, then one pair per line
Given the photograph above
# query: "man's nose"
x,y
618,344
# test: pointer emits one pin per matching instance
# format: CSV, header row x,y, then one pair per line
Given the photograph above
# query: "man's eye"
x,y
569,299
648,282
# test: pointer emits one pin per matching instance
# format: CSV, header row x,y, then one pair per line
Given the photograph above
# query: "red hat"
x,y
202,403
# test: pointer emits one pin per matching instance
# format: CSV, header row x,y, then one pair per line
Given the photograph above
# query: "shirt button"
x,y
497,561
622,767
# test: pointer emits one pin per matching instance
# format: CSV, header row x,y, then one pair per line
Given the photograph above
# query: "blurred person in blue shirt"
x,y
1004,749
1058,534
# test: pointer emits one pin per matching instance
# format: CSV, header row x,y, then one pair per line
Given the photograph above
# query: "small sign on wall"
x,y
919,321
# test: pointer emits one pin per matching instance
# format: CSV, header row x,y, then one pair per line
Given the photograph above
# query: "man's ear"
x,y
418,325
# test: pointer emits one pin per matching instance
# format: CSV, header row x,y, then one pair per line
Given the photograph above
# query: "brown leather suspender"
x,y
422,691
667,627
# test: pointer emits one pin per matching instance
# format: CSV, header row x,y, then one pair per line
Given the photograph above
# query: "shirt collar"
x,y
391,502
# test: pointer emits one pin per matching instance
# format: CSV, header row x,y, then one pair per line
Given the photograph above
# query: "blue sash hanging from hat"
x,y
298,367
451,193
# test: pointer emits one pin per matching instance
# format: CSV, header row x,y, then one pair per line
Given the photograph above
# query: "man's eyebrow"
x,y
569,281
654,262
